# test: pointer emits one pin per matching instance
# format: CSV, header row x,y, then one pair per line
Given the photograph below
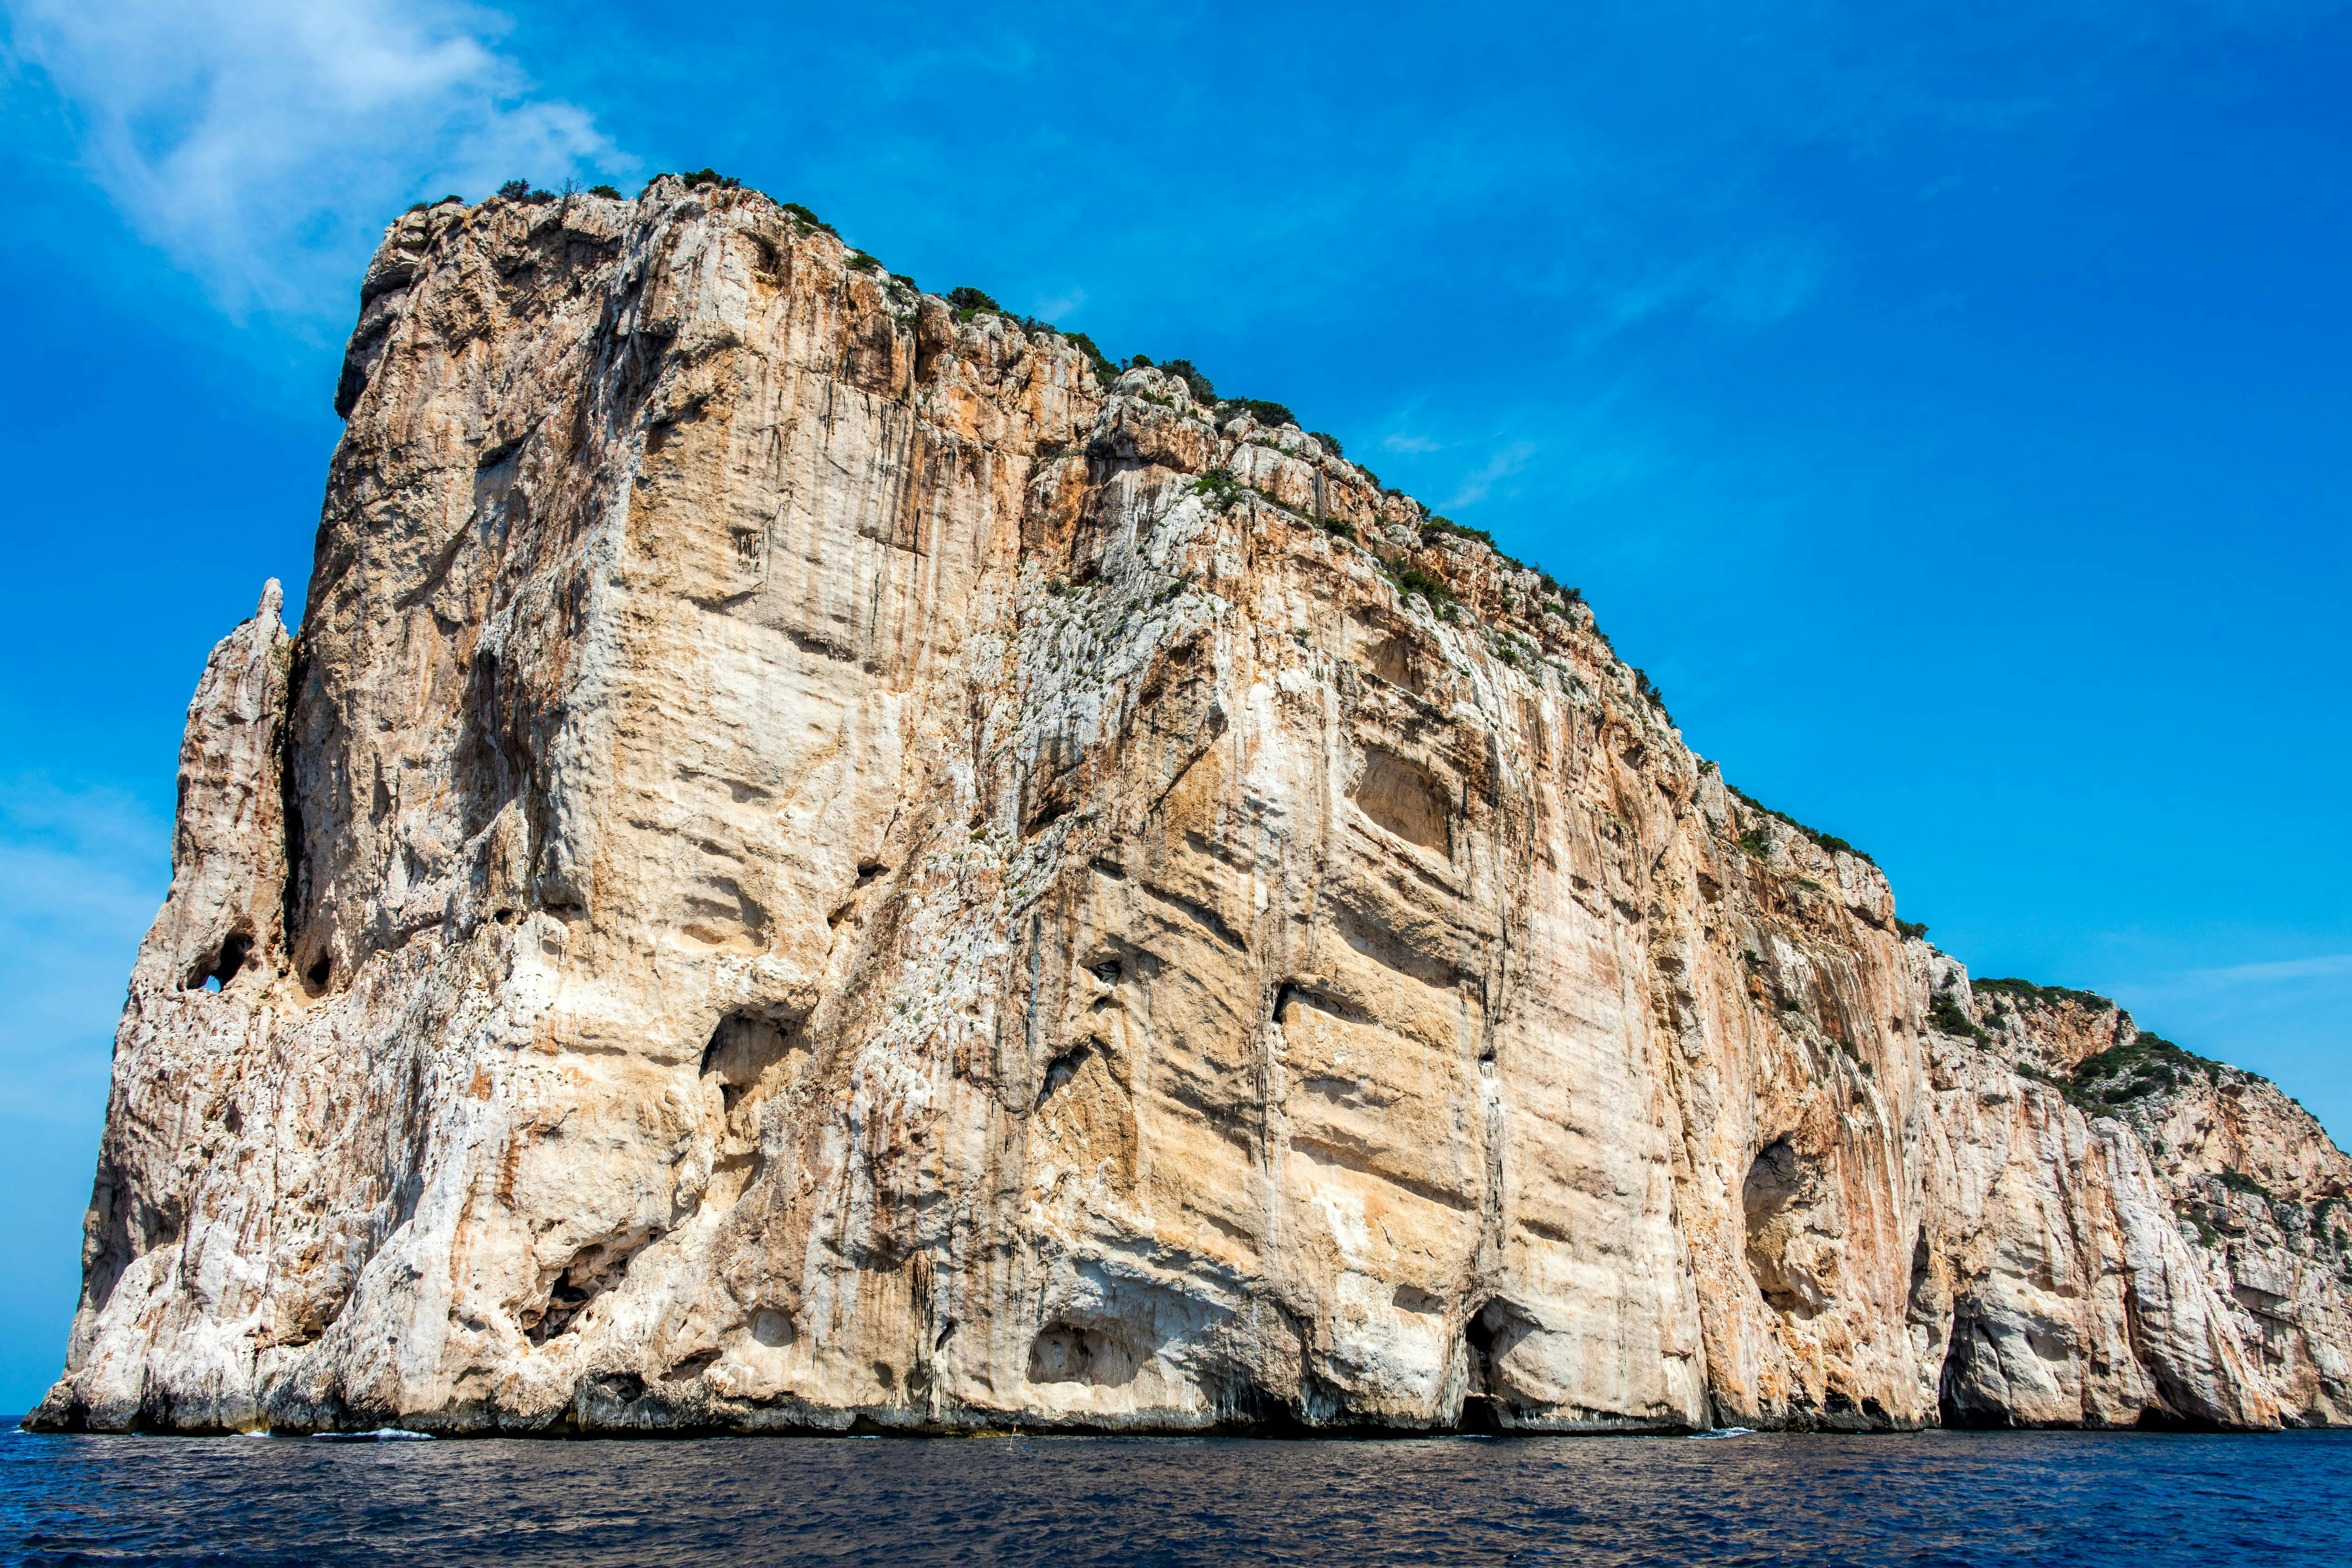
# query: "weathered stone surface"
x,y
813,860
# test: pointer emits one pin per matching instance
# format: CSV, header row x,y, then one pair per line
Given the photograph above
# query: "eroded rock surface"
x,y
816,860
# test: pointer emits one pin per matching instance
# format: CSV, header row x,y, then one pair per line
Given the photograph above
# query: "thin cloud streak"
x,y
1498,467
82,875
262,144
2320,967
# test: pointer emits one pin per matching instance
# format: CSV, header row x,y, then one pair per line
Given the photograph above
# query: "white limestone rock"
x,y
805,868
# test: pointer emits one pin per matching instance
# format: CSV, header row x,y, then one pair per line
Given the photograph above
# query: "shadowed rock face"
x,y
803,868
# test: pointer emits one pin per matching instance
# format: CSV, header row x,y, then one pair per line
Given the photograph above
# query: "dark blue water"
x,y
1936,1498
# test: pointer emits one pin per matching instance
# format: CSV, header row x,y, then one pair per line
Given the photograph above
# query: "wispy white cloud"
x,y
2282,971
263,143
82,875
1403,443
1754,286
1498,467
1061,305
2286,969
2284,1017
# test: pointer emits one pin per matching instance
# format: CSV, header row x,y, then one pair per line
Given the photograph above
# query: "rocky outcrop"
x,y
821,858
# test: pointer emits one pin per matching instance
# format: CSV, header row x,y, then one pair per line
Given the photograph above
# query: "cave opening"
x,y
215,970
1062,1069
1486,1337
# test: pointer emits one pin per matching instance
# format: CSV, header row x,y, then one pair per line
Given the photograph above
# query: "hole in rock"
x,y
772,1328
626,1387
1778,1201
694,1365
1959,1404
317,973
1062,1069
1108,972
593,1270
1068,1353
1392,662
1406,799
1413,1299
215,970
1488,1337
744,1053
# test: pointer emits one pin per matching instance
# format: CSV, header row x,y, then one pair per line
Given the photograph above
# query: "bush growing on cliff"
x,y
968,302
1829,841
803,220
1944,1011
607,192
1410,580
1647,690
1435,528
2049,996
1911,930
1330,444
1273,416
2150,1064
861,262
1220,486
707,176
2239,1181
1194,381
1104,370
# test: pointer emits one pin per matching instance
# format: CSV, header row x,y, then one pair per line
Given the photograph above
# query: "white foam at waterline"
x,y
381,1435
1713,1432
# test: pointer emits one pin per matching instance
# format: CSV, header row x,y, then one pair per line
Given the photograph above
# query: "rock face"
x,y
816,860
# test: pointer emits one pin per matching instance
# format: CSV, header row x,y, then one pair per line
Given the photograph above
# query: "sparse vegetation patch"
x,y
2048,996
2150,1065
968,302
1272,414
1435,528
1945,1012
1829,841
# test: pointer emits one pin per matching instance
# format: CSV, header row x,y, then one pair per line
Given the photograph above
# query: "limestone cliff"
x,y
821,858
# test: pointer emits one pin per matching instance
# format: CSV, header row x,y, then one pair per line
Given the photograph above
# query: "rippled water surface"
x,y
1939,1498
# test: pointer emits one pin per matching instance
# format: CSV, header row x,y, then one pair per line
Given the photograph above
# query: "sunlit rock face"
x,y
815,860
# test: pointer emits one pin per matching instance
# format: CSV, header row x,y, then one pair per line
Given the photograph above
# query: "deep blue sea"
x,y
1936,1498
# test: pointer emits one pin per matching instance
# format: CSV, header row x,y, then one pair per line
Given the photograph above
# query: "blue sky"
x,y
1948,408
